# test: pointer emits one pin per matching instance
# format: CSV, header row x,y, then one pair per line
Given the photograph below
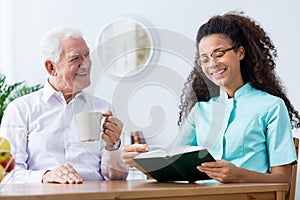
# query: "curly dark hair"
x,y
257,67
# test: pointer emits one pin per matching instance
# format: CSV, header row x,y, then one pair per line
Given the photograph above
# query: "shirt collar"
x,y
49,91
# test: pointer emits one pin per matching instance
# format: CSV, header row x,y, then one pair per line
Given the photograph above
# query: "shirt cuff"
x,y
36,176
113,159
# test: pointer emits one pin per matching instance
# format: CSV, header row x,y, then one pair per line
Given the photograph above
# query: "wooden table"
x,y
143,189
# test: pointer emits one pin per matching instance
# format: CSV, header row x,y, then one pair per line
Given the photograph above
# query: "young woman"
x,y
234,105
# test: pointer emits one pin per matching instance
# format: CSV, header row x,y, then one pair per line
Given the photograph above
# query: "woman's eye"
x,y
218,54
204,60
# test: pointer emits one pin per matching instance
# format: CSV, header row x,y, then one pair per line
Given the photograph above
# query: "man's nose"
x,y
86,62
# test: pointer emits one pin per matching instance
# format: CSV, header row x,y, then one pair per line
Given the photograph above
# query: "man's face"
x,y
73,68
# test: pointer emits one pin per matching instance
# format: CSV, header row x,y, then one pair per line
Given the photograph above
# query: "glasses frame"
x,y
212,55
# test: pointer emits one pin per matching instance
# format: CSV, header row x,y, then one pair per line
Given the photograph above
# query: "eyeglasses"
x,y
217,54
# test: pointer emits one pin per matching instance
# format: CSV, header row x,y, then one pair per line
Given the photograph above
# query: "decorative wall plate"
x,y
126,47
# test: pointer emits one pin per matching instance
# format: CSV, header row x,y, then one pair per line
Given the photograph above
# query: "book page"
x,y
160,151
154,151
183,149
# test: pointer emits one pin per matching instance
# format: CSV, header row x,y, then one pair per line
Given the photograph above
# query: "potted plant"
x,y
10,92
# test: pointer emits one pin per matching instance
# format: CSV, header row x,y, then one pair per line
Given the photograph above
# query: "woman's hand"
x,y
221,171
225,172
130,151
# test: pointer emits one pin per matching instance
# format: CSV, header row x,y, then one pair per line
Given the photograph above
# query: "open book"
x,y
176,165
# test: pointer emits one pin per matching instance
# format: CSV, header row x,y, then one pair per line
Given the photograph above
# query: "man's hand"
x,y
62,174
112,128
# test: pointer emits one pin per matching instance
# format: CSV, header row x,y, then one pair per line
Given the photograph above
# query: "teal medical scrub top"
x,y
251,130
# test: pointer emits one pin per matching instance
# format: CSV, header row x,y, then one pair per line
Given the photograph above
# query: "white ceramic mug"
x,y
88,125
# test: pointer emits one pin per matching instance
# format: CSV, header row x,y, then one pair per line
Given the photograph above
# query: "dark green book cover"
x,y
178,166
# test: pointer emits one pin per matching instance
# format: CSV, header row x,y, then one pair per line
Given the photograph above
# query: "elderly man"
x,y
40,126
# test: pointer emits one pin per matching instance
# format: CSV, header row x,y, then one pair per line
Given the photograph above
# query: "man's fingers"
x,y
110,138
112,122
63,174
59,179
75,178
72,173
114,129
54,177
107,113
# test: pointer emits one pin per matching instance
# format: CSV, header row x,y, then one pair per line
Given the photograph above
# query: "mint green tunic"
x,y
251,130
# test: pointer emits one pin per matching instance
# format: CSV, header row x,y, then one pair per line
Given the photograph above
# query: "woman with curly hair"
x,y
234,105
247,123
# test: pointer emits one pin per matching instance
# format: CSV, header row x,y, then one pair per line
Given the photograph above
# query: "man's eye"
x,y
74,59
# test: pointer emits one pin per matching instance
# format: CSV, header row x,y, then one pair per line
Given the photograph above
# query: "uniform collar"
x,y
246,88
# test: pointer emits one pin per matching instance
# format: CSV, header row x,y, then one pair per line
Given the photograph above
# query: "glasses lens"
x,y
202,61
217,55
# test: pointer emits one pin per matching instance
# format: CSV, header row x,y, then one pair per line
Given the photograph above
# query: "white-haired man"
x,y
40,126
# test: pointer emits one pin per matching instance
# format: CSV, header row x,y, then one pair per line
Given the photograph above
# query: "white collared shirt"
x,y
40,128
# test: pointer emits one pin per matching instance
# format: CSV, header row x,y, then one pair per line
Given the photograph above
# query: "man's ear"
x,y
50,68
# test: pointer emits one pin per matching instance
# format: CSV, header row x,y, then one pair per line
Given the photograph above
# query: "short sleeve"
x,y
279,135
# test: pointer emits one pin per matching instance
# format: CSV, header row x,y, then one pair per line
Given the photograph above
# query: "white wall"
x,y
179,19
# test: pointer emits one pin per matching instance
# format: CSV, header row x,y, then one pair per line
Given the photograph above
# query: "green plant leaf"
x,y
8,93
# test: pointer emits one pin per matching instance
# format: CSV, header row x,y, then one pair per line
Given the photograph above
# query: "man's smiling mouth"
x,y
81,73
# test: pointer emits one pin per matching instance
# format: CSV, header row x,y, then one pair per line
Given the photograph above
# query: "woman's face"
x,y
220,62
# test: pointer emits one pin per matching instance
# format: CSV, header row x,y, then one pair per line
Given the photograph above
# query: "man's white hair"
x,y
50,46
